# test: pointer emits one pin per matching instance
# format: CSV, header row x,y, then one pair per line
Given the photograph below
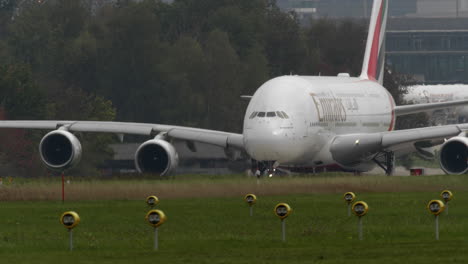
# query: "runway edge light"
x,y
155,218
70,220
152,201
250,199
349,197
360,209
283,210
447,196
436,207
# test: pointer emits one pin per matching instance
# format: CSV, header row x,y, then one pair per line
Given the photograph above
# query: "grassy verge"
x,y
80,189
208,221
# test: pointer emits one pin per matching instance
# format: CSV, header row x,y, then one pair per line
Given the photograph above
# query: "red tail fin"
x,y
374,57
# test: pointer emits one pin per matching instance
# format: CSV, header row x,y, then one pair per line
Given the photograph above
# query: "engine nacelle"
x,y
453,155
351,150
60,150
156,156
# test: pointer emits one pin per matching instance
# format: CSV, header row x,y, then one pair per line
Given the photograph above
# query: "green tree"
x,y
29,36
129,51
52,38
256,70
21,99
7,12
183,73
223,87
284,45
241,26
339,44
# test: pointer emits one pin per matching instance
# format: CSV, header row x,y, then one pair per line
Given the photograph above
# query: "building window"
x,y
461,63
446,43
417,44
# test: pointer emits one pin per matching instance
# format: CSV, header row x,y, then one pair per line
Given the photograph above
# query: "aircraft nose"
x,y
266,137
266,143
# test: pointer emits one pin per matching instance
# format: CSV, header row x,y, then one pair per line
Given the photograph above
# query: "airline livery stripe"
x,y
383,10
373,58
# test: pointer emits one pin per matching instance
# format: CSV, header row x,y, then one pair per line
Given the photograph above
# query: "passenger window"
x,y
284,114
278,113
253,115
271,114
261,114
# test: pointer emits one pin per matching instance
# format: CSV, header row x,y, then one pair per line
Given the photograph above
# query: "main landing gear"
x,y
386,161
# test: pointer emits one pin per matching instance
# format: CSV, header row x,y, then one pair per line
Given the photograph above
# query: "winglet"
x,y
374,57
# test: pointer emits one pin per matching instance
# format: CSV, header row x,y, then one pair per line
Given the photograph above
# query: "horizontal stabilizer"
x,y
418,108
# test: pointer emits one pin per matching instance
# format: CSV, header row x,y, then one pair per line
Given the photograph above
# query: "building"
x,y
433,50
438,8
361,8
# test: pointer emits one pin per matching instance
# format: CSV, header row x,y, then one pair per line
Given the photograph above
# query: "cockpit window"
x,y
280,114
253,115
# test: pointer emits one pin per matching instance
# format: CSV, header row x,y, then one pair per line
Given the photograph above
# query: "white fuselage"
x,y
421,94
317,109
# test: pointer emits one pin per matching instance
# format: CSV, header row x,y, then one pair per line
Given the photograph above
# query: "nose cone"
x,y
276,137
265,142
273,143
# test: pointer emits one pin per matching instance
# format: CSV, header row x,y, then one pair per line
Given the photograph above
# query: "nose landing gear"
x,y
264,168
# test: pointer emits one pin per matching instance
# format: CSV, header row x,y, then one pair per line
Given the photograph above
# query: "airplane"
x,y
311,121
418,94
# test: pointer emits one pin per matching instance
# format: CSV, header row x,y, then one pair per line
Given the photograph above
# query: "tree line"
x,y
182,63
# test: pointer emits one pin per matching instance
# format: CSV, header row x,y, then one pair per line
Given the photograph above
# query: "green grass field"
x,y
208,221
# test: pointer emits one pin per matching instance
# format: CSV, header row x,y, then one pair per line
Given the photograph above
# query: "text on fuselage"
x,y
329,109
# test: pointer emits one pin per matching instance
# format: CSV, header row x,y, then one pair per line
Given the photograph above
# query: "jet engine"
x,y
156,156
60,150
453,155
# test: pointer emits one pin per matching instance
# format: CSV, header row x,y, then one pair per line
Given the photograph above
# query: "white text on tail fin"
x,y
374,57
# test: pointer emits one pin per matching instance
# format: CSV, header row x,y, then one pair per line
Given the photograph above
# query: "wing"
x,y
218,138
354,148
417,108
